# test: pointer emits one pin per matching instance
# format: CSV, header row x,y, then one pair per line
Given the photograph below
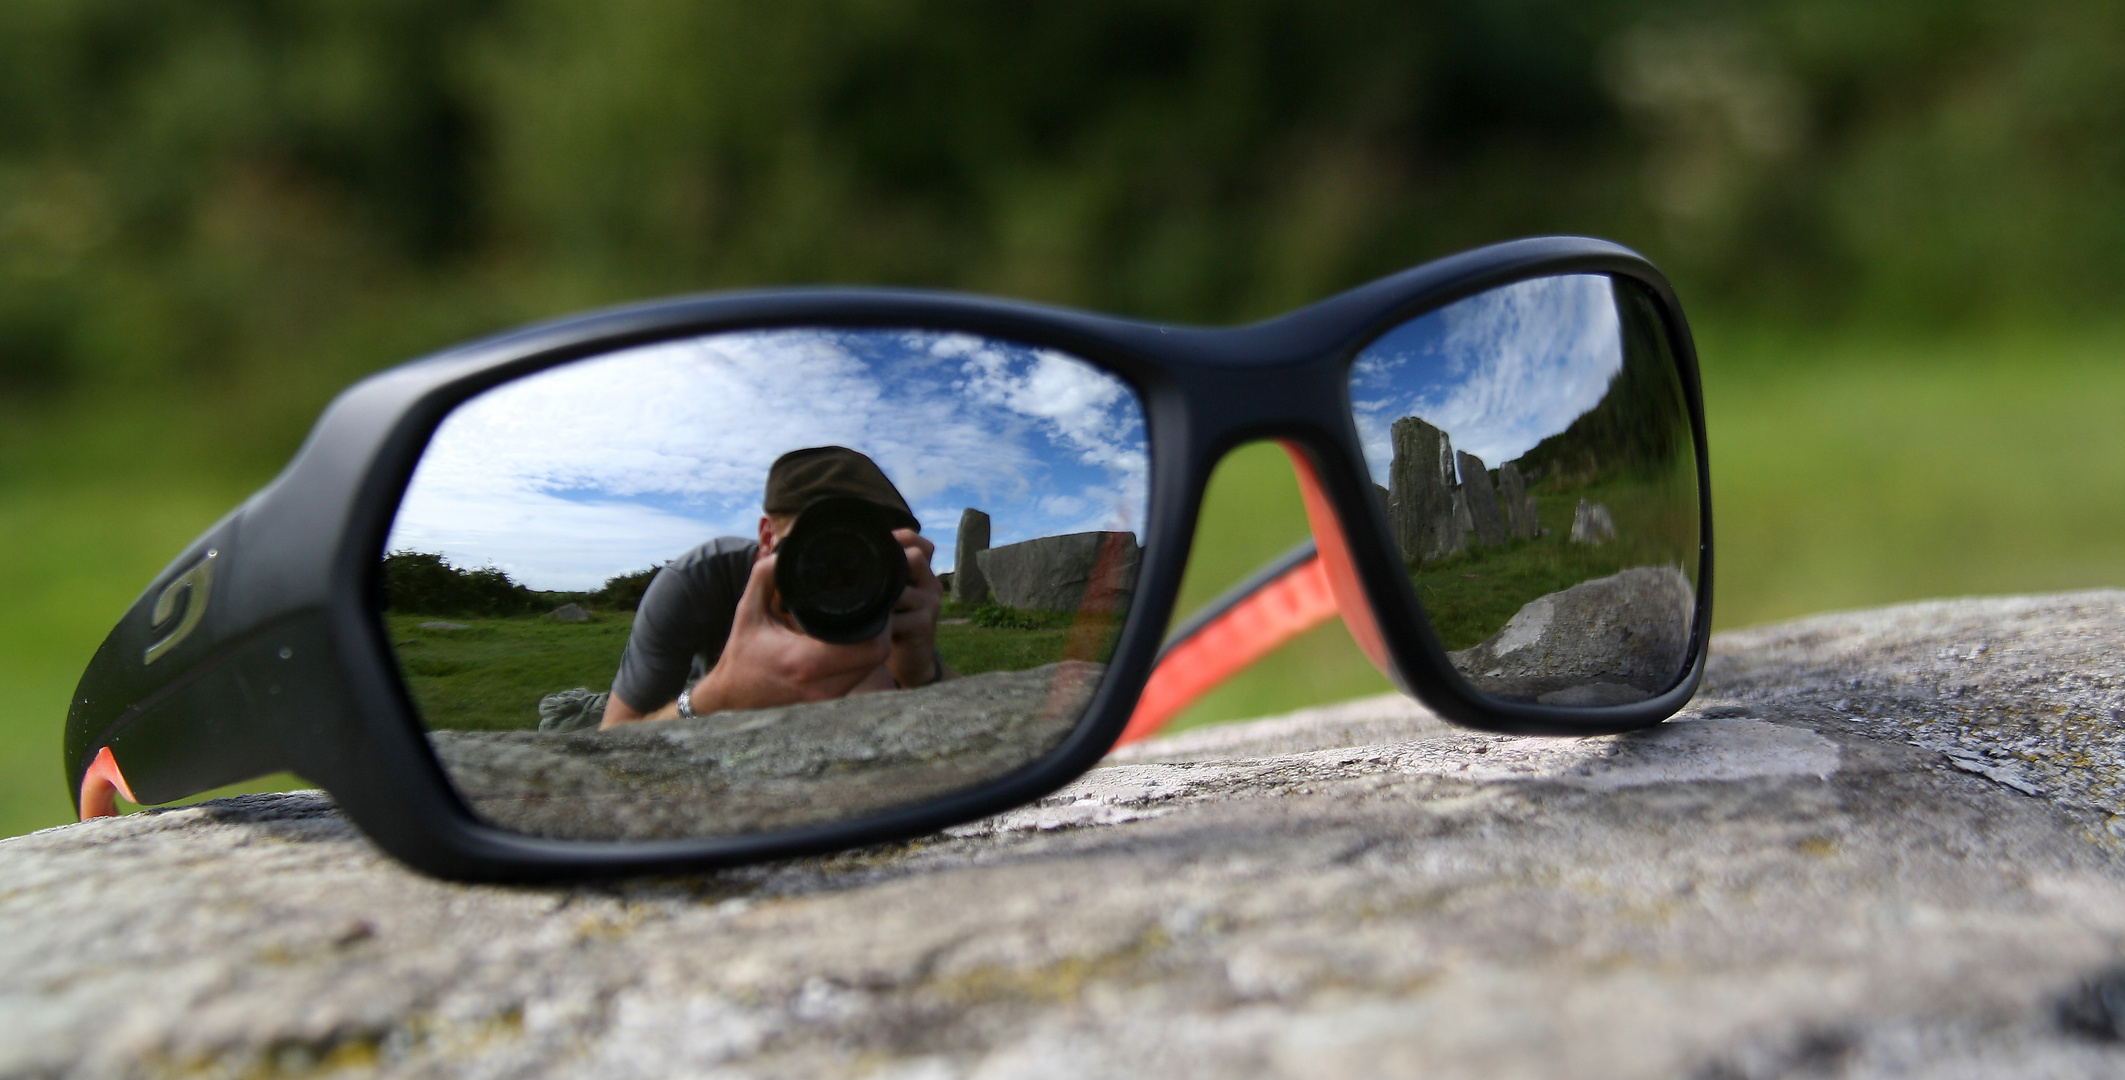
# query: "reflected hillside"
x,y
1565,573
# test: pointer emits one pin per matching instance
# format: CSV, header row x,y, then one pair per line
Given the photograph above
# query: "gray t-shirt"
x,y
683,622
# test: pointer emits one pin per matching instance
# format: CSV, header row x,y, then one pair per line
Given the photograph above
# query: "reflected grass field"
x,y
489,674
1471,594
1846,474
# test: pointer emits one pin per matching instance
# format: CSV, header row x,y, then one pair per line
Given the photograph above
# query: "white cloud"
x,y
542,540
1498,372
628,459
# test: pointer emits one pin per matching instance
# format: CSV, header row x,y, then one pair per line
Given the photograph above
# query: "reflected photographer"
x,y
835,597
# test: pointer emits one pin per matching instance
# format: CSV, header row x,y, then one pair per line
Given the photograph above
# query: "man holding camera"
x,y
711,632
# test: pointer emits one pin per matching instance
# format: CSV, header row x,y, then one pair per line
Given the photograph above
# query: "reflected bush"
x,y
419,581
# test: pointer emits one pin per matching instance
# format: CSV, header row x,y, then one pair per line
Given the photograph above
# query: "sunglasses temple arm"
x,y
1248,622
102,786
1302,589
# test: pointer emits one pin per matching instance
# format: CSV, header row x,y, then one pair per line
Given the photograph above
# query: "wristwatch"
x,y
686,704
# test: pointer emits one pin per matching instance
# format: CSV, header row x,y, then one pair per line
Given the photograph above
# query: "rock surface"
x,y
1879,844
744,771
1421,491
968,586
1482,499
1521,521
1591,524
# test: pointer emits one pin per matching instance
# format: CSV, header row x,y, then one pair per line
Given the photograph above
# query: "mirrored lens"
x,y
1532,447
881,566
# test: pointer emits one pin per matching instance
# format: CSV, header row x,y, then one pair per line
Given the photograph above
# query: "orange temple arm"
x,y
1273,613
101,785
1313,584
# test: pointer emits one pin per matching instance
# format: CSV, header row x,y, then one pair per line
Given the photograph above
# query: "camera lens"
x,y
840,571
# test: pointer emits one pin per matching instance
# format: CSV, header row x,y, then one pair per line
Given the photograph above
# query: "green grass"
x,y
1470,595
1867,471
997,638
1846,473
491,675
1251,514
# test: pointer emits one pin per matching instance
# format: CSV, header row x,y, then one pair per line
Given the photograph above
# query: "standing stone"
x,y
968,584
1534,517
1089,570
1420,484
569,613
1512,497
1463,524
1591,524
1482,499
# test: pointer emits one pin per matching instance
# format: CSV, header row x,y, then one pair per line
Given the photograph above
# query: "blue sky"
x,y
1498,372
620,462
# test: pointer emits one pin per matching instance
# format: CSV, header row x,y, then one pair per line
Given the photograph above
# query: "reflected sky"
x,y
1498,372
618,463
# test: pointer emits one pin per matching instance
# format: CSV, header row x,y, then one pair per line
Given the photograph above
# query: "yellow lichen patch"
x,y
1062,980
356,1052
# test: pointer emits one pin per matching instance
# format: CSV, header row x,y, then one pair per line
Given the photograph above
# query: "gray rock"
x,y
1463,522
737,772
1520,522
1820,869
569,613
968,584
1610,640
1420,485
1591,524
1090,571
1482,500
579,709
440,625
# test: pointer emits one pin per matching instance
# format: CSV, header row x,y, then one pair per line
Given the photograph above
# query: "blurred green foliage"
x,y
280,194
216,213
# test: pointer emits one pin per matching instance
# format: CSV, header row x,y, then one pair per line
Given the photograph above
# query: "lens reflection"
x,y
1532,447
881,566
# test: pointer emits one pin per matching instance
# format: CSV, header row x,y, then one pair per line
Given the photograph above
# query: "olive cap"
x,y
801,477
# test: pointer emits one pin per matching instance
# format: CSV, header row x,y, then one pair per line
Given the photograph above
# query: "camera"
x,y
839,571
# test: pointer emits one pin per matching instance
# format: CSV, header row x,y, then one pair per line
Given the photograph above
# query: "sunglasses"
x,y
748,576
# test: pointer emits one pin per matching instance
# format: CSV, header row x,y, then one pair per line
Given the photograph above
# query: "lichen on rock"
x,y
1881,843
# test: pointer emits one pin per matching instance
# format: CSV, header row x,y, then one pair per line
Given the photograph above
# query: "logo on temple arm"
x,y
185,600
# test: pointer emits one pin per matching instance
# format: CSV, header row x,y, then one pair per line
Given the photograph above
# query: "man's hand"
x,y
769,662
914,625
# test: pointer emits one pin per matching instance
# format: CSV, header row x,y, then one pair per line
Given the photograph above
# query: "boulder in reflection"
x,y
1608,641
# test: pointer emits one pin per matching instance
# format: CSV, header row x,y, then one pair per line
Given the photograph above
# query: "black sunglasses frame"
x,y
285,664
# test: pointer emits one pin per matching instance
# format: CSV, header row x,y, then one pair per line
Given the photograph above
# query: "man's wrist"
x,y
936,674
